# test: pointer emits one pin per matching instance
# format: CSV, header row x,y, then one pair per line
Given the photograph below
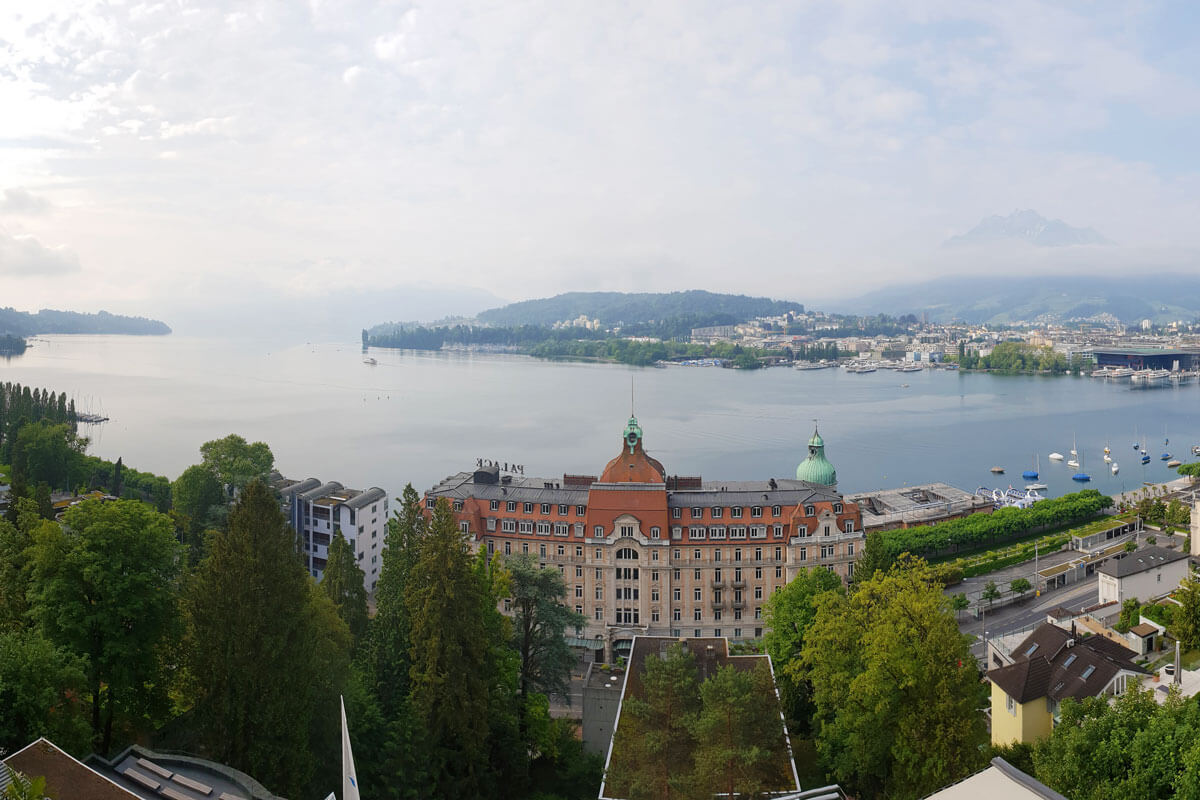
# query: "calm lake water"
x,y
416,417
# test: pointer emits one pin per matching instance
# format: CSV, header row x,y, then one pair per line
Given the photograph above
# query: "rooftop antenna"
x,y
631,403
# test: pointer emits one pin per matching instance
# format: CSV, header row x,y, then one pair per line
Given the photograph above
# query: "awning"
x,y
590,644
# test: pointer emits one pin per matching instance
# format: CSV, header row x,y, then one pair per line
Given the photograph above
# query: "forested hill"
x,y
23,323
613,308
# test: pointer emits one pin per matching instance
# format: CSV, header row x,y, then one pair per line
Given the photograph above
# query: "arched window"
x,y
627,553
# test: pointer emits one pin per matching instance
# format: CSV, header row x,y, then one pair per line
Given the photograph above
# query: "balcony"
x,y
717,602
739,584
716,583
739,604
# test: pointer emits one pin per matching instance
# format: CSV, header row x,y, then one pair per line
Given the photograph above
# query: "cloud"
x,y
26,257
19,200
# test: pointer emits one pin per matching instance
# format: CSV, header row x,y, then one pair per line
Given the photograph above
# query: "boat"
x,y
1074,462
1032,474
1103,372
370,361
1081,476
998,470
1107,458
1056,456
1106,450
1165,457
1036,487
1115,468
1173,463
1119,372
1196,449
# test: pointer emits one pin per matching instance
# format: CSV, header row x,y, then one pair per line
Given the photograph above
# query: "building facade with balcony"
x,y
316,511
647,553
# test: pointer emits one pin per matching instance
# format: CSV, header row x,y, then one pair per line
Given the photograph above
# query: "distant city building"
x,y
647,553
318,510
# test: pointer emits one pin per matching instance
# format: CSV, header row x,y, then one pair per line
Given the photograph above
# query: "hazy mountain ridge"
x,y
631,308
45,321
1159,298
1026,226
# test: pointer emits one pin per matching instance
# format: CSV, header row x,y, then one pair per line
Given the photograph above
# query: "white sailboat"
x,y
1115,468
1074,462
1056,456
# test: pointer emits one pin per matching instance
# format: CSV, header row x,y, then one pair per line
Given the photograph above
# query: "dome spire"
x,y
816,468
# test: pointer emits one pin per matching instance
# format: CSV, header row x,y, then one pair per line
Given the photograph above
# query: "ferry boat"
x,y
1119,372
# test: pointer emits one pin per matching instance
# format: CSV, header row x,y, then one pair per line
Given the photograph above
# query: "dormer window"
x,y
810,511
837,508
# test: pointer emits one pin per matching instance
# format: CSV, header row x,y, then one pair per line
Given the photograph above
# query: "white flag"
x,y
349,779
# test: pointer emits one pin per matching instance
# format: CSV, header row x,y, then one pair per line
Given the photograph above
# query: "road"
x,y
1027,614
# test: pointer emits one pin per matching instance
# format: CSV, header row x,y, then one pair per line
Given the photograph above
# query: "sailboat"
x,y
1107,454
1115,468
1081,476
1031,474
1166,456
1074,462
1145,455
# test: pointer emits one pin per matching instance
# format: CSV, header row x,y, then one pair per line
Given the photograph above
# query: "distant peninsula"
x,y
22,323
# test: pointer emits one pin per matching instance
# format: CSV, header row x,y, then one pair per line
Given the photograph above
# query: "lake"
x,y
419,416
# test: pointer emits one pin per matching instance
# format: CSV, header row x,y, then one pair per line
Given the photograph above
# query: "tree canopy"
x,y
236,462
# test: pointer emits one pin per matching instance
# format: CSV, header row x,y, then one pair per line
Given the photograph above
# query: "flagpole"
x,y
349,778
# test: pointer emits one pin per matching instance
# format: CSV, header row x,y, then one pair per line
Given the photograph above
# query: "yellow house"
x,y
1051,665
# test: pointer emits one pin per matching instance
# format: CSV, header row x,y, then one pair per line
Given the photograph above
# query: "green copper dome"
x,y
816,468
633,433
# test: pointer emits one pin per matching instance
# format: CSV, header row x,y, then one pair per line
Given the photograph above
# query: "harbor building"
x,y
647,553
317,511
1139,358
907,507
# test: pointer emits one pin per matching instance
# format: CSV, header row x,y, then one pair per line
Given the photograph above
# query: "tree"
x,y
1186,625
104,589
15,540
43,452
23,788
1020,586
539,622
654,744
449,652
235,463
196,494
789,614
739,739
266,653
895,686
876,557
1131,610
959,602
342,583
39,690
990,592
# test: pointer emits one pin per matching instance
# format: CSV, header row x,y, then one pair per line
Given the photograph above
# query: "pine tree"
x,y
342,582
265,651
449,650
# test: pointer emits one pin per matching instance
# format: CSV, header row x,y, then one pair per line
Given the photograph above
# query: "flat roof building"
x,y
317,511
926,504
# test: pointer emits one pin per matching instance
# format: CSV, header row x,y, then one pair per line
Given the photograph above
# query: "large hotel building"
x,y
646,553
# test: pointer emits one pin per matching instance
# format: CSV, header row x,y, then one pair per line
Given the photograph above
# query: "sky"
x,y
180,159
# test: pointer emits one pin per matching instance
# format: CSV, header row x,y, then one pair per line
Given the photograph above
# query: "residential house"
x,y
1145,574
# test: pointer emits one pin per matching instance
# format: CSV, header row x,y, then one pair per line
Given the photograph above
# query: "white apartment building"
x,y
318,510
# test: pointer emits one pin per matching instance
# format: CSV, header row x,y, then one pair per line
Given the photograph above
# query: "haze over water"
x,y
419,416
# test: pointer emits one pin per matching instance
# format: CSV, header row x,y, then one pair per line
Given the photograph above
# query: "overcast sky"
x,y
155,156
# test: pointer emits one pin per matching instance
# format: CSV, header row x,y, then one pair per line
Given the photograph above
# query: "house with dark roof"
x,y
1145,574
65,776
1053,664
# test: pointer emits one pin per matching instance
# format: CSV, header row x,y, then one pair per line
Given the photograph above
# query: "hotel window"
x,y
850,570
696,615
696,632
508,525
578,530
837,508
464,526
677,574
653,574
627,530
598,531
826,532
717,615
579,609
599,614
717,575
717,632
579,511
737,574
529,508
599,592
756,511
579,590
850,548
599,573
430,502
758,532
676,513
543,528
778,573
696,595
717,512
778,531
524,547
697,512
757,612
717,554
736,513
654,615
508,548
491,546
810,511
676,532
695,532
654,555
656,533
578,571
579,551
491,523
827,551
776,511
457,505
562,509
804,554
778,553
545,508
676,557
737,533
758,593
561,529
654,595
1010,704
676,614
675,593
716,533
696,555
562,551
525,526
494,505
849,526
511,505
599,557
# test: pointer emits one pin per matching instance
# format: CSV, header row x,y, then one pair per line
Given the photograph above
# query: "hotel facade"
x,y
651,554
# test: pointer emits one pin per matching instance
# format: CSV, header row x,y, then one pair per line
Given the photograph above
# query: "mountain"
x,y
1026,226
22,323
1160,298
620,308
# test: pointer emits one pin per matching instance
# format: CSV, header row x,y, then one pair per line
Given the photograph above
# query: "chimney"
x,y
1072,629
